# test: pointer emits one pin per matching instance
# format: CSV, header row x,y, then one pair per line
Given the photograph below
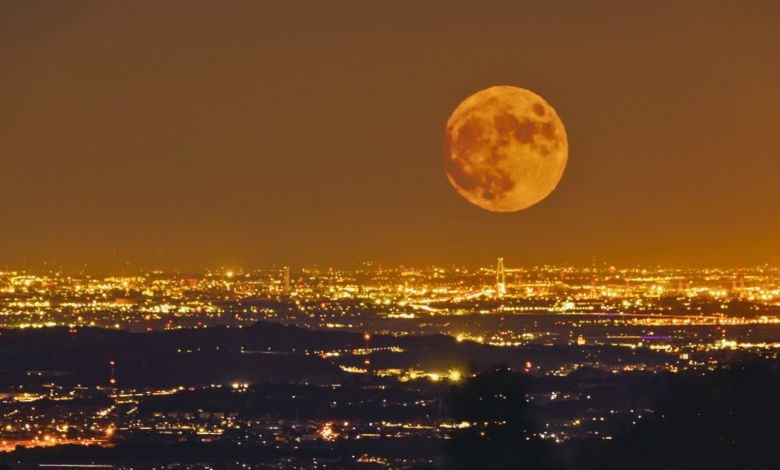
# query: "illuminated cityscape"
x,y
587,336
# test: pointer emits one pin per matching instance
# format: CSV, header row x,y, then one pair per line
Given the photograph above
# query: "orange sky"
x,y
203,134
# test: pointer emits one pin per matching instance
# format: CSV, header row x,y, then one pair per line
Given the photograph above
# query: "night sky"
x,y
198,135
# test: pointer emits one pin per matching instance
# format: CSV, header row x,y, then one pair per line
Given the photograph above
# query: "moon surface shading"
x,y
505,149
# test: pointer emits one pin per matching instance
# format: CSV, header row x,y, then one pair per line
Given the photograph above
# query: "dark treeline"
x,y
723,419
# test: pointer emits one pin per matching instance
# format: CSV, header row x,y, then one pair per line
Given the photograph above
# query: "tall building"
x,y
500,278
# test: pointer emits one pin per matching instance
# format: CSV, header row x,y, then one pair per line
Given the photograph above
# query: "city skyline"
x,y
207,135
238,268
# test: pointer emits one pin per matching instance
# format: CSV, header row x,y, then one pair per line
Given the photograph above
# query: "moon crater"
x,y
505,149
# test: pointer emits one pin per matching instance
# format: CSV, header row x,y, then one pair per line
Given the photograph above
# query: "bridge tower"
x,y
500,278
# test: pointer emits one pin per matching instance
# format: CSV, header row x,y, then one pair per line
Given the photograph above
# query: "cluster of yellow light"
x,y
699,321
365,458
401,315
452,375
29,304
724,343
327,432
10,445
213,432
28,397
504,343
464,424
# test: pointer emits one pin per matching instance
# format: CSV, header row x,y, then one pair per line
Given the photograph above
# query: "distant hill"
x,y
260,353
161,359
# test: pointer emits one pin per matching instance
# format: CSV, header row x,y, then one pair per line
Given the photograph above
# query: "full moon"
x,y
505,149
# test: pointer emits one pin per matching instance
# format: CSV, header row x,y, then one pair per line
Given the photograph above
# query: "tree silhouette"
x,y
723,419
500,433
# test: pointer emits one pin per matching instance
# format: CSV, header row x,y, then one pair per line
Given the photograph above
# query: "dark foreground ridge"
x,y
261,353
